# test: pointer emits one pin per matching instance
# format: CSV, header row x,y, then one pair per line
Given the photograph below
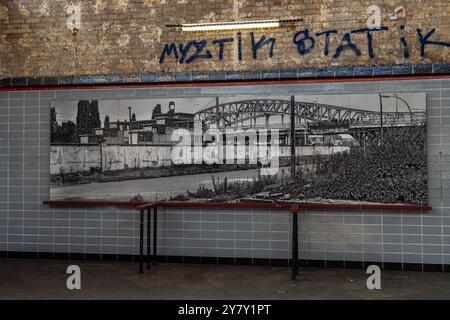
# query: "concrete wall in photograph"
x,y
358,235
82,158
135,157
74,159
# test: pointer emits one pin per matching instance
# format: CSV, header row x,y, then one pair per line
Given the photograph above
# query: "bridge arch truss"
x,y
245,112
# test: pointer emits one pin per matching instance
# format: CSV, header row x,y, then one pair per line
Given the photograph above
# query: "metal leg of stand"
x,y
141,242
155,236
148,237
294,261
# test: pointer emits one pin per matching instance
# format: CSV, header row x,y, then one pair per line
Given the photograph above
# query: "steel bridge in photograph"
x,y
244,113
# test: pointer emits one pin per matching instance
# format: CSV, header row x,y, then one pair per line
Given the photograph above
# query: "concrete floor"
x,y
46,279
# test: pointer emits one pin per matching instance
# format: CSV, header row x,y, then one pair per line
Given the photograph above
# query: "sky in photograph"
x,y
118,109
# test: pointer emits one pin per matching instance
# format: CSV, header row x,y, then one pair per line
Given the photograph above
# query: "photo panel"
x,y
345,148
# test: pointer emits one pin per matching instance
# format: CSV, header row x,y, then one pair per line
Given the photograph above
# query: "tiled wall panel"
x,y
28,226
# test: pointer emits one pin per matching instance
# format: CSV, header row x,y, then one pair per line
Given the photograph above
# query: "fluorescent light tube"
x,y
230,25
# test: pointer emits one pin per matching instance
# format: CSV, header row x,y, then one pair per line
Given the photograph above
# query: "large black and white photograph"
x,y
348,148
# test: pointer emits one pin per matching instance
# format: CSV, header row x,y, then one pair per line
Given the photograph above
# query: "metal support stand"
x,y
141,242
155,232
148,237
294,261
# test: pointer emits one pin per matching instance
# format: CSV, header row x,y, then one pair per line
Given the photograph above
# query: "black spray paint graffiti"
x,y
304,41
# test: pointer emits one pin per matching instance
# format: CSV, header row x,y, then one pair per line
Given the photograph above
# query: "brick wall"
x,y
46,38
